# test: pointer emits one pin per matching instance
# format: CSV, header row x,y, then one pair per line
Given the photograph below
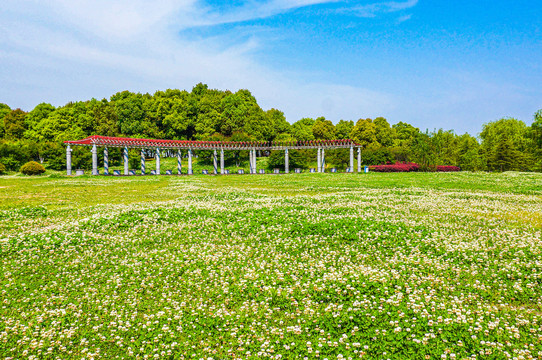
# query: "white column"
x,y
157,161
323,166
94,160
68,160
106,161
254,159
221,161
126,172
250,163
142,161
190,172
319,161
286,162
351,159
179,163
215,164
359,160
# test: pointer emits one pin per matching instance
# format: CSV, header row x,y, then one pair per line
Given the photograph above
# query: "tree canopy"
x,y
211,114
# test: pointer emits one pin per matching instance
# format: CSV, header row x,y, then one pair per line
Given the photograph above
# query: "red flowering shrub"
x,y
397,167
447,168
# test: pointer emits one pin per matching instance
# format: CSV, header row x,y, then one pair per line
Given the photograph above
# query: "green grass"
x,y
377,266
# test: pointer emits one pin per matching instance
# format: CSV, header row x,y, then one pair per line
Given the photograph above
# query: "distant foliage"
x,y
397,167
2,169
211,114
32,168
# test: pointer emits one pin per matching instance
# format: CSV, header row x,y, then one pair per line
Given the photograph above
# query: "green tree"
x,y
470,157
65,123
131,114
343,129
14,124
445,146
4,110
206,107
423,152
302,129
384,132
323,129
404,137
364,133
34,117
278,123
535,134
504,144
240,109
105,117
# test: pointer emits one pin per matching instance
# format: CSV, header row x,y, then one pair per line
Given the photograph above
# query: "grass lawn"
x,y
372,266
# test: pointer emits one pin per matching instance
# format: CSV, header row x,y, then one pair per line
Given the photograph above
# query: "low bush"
x,y
448,168
397,167
32,168
2,169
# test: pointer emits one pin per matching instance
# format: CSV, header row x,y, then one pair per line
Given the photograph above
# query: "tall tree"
x,y
323,129
131,113
14,124
302,129
105,117
4,110
364,133
470,156
237,109
384,132
278,122
343,129
34,117
65,123
445,145
504,143
535,135
404,137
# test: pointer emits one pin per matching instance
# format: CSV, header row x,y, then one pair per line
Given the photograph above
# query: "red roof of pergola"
x,y
108,141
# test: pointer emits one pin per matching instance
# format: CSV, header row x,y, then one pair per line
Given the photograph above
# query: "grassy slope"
x,y
20,191
404,265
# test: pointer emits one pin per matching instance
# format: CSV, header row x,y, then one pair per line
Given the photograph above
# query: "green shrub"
x,y
2,168
32,168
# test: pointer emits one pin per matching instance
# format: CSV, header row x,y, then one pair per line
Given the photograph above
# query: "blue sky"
x,y
435,64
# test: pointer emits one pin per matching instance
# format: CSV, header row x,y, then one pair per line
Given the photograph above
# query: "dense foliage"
x,y
32,168
209,114
317,266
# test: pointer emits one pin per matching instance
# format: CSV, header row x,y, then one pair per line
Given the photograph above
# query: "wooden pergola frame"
x,y
157,145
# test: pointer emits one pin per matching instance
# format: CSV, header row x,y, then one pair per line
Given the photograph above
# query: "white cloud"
x,y
81,48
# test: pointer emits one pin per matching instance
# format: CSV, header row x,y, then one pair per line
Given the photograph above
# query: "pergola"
x,y
158,145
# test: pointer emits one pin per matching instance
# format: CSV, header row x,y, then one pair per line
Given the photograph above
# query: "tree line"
x,y
210,114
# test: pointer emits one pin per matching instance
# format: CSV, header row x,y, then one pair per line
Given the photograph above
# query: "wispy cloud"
x,y
64,50
374,9
253,10
96,48
404,18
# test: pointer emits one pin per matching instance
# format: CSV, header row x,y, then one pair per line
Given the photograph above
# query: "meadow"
x,y
315,266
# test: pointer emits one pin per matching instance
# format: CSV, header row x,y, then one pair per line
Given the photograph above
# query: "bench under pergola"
x,y
216,147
